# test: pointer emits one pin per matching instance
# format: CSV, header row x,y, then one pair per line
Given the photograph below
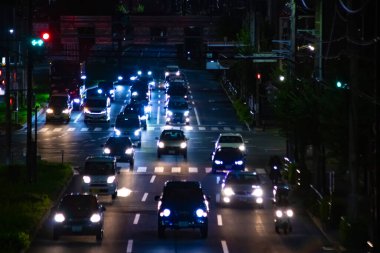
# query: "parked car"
x,y
59,108
181,205
227,159
78,214
121,148
242,187
173,142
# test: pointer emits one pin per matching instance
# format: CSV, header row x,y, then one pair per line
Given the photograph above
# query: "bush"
x,y
14,241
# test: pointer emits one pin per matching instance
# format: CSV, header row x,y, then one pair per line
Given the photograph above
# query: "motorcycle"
x,y
283,213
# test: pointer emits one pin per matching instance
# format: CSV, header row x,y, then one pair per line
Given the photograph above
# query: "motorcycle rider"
x,y
275,165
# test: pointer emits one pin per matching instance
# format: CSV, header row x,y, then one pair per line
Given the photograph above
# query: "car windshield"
x,y
79,203
172,135
99,168
58,101
177,89
117,141
96,102
228,153
105,86
123,122
236,178
183,194
177,105
230,139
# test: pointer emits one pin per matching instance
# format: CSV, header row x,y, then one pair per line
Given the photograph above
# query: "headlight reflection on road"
x,y
124,192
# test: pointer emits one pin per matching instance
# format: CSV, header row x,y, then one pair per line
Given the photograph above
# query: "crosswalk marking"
x,y
193,170
201,128
214,128
43,129
150,128
208,170
176,169
159,169
98,129
84,129
57,129
227,128
71,129
141,169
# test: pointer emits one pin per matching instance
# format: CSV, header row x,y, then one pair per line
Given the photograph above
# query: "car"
x,y
140,91
121,148
59,108
108,89
73,88
242,186
100,175
233,140
97,108
141,108
227,159
172,141
177,90
177,111
78,214
128,126
182,204
172,70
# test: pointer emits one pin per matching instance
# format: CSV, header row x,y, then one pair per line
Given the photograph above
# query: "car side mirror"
x,y
157,198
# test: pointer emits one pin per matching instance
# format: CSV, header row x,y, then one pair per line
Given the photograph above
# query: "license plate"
x,y
183,224
171,152
95,190
228,167
76,228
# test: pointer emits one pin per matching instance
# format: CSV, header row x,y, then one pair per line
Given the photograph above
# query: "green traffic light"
x,y
37,42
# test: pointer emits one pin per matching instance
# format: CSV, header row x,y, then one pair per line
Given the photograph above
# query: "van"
x,y
100,176
97,108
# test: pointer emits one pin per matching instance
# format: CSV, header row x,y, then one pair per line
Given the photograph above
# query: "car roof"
x,y
182,184
230,134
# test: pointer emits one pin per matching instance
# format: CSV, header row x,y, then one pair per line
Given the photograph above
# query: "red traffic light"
x,y
258,76
45,36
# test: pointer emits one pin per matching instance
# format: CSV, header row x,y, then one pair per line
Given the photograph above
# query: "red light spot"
x,y
45,36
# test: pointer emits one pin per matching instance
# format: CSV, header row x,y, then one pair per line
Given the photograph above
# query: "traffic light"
x,y
341,85
40,40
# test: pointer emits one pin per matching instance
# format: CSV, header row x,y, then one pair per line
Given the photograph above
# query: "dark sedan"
x,y
121,148
78,214
227,159
172,142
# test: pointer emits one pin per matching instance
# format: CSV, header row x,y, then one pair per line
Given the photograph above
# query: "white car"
x,y
232,140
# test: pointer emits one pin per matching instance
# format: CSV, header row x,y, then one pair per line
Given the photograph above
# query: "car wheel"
x,y
131,164
161,231
55,235
99,235
204,231
114,195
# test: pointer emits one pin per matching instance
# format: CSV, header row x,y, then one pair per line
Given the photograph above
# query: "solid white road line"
x,y
158,115
217,179
196,116
129,246
77,118
219,218
144,197
224,246
152,178
136,220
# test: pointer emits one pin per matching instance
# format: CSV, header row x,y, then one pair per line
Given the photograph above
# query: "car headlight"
x,y
49,110
137,132
279,213
169,113
240,162
59,217
100,91
218,162
242,147
228,191
186,113
166,74
289,213
66,111
117,132
200,213
129,151
161,144
183,145
134,94
95,218
165,212
258,192
110,179
86,110
76,100
107,151
177,73
112,91
86,179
